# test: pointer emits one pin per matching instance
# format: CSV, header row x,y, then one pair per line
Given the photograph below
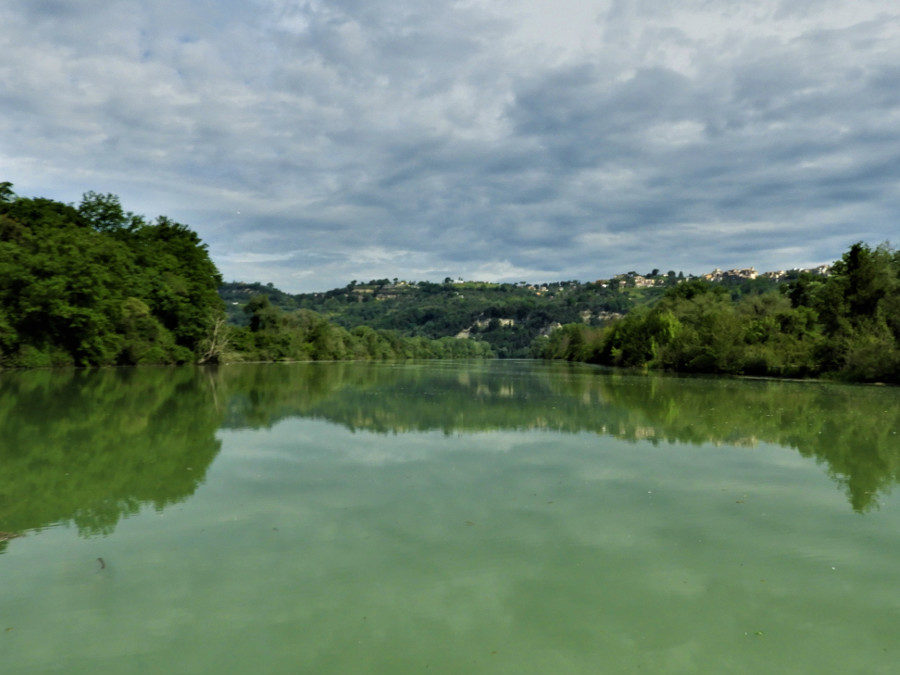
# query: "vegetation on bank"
x,y
94,285
507,316
846,324
302,335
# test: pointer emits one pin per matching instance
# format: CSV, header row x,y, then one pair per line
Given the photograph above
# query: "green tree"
x,y
103,212
6,192
77,286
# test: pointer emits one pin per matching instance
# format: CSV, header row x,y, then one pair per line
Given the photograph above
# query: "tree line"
x,y
507,316
95,285
845,325
273,334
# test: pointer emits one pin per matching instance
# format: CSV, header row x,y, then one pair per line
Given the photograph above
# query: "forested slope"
x,y
507,316
92,285
846,324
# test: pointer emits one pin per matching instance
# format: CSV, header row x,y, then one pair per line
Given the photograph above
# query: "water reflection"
x,y
852,430
89,448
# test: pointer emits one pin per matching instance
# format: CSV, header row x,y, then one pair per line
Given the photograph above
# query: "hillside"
x,y
94,285
844,323
508,316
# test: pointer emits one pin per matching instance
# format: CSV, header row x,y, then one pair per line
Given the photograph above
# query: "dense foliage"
x,y
507,316
94,285
847,324
274,335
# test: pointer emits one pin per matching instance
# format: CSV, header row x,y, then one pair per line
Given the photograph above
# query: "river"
x,y
496,517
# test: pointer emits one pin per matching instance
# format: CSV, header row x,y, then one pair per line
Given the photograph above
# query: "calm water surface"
x,y
502,517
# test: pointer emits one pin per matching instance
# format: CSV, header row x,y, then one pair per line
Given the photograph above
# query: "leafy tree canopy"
x,y
846,324
98,285
95,285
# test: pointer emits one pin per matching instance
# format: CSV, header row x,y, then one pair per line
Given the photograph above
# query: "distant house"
x,y
718,275
821,270
778,275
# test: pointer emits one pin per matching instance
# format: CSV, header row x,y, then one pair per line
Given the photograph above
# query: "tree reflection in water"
x,y
852,430
92,447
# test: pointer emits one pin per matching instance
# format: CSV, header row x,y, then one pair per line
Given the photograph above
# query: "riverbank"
x,y
845,326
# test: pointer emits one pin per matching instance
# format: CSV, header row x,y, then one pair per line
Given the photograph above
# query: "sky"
x,y
314,142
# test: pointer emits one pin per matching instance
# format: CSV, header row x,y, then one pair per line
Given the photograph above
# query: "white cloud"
x,y
563,139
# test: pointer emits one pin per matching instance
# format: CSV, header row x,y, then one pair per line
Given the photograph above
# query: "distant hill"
x,y
509,316
840,320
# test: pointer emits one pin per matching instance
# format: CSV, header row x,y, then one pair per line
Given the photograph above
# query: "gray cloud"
x,y
311,143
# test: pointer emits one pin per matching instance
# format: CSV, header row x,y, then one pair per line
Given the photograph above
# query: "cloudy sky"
x,y
311,142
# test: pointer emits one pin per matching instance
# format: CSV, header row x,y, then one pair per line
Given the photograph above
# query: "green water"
x,y
502,517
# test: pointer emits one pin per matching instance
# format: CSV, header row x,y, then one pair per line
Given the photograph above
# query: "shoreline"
x,y
597,366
